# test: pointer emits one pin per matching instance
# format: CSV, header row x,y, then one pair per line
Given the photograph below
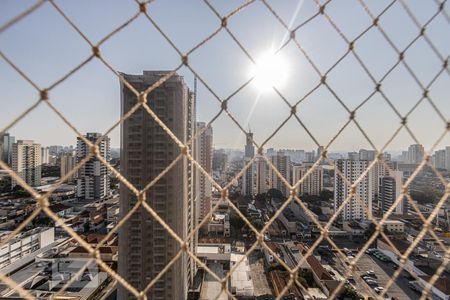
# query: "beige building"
x,y
312,184
205,148
26,162
282,163
145,246
67,164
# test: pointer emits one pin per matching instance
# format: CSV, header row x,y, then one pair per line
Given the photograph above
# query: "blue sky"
x,y
45,47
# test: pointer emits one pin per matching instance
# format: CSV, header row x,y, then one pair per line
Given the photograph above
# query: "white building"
x,y
26,162
311,184
394,226
24,243
415,154
261,176
45,155
356,208
93,176
282,163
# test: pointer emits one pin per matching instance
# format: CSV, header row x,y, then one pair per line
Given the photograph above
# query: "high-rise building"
x,y
353,155
249,147
205,145
356,208
248,178
283,164
389,189
220,159
309,157
7,142
366,154
45,153
93,176
312,184
67,164
320,150
439,159
415,154
447,158
26,162
145,247
261,175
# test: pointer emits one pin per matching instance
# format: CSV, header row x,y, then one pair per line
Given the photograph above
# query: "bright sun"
x,y
270,70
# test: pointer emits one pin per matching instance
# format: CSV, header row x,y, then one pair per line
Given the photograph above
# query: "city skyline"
x,y
80,97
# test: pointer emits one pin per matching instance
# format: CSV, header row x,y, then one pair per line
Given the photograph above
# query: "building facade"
x,y
145,247
312,184
282,163
93,176
6,143
45,155
67,163
358,206
390,188
415,154
26,162
205,153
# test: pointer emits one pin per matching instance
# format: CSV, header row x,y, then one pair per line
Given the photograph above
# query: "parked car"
x,y
378,290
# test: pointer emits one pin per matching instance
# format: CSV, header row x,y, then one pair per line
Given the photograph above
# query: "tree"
x,y
326,195
5,184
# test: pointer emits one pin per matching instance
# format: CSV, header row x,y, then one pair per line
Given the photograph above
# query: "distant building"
x,y
439,159
312,184
356,208
67,164
415,154
282,163
6,144
390,188
248,178
366,154
220,159
309,157
353,155
261,176
205,145
26,162
45,153
93,176
447,158
249,147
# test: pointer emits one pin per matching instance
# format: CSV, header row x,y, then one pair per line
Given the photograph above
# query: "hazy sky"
x,y
45,47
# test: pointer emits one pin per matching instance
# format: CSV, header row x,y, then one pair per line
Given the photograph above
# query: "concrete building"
x,y
439,159
26,162
67,164
283,164
220,159
24,243
145,247
261,176
447,158
366,154
93,176
248,178
6,144
415,154
312,184
390,188
356,208
45,155
205,145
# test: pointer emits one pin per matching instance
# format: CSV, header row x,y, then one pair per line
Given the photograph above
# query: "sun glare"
x,y
270,70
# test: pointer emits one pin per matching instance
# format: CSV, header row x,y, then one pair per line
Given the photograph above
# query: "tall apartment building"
x,y
26,162
439,159
204,151
366,154
352,170
45,154
447,158
220,159
6,144
93,176
312,184
389,189
415,154
248,178
145,247
67,164
283,164
261,176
